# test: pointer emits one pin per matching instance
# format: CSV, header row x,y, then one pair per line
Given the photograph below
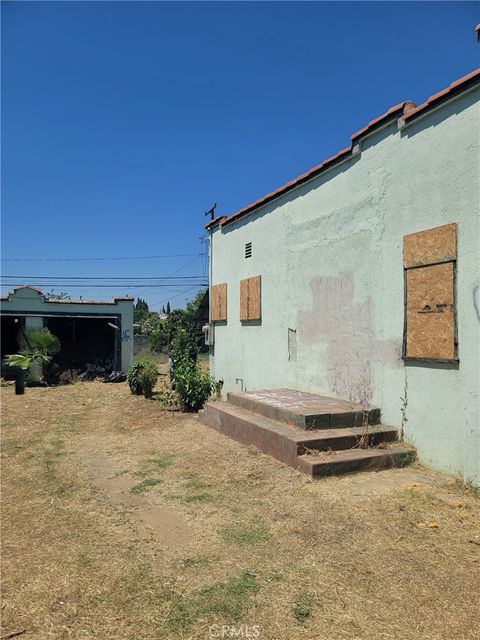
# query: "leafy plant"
x,y
37,348
193,385
184,348
161,331
142,376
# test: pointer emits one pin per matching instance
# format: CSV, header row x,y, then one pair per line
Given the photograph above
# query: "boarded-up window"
x,y
219,302
250,299
429,260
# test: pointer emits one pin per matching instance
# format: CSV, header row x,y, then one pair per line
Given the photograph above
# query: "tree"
x,y
168,308
162,331
140,314
62,295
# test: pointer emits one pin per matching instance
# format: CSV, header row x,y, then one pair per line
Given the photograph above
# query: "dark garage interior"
x,y
10,327
86,340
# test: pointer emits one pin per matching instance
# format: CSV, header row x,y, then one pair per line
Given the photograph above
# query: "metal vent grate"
x,y
248,250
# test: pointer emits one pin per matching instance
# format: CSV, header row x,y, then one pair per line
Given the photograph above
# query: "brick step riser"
x,y
341,443
277,445
243,431
321,421
375,463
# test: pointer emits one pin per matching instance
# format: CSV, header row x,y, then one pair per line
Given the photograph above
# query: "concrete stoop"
x,y
317,435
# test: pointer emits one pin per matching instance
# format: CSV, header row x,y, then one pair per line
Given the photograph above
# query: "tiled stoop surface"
x,y
317,435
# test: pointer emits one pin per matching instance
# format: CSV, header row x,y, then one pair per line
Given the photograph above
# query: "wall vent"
x,y
248,250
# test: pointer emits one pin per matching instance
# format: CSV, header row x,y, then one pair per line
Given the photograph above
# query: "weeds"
x,y
193,482
403,408
197,561
198,497
227,601
144,485
302,608
161,463
245,535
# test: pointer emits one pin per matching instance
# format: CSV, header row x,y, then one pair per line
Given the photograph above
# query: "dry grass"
x,y
218,533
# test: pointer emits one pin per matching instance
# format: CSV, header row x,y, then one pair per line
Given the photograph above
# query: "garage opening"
x,y
9,332
10,327
93,341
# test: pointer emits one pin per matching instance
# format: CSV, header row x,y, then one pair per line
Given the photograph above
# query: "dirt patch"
x,y
124,521
151,522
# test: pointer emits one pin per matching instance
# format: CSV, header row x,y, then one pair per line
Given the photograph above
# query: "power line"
x,y
182,293
172,255
182,267
65,278
113,286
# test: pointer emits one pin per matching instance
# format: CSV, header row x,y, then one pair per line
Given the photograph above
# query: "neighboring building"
x,y
328,284
86,329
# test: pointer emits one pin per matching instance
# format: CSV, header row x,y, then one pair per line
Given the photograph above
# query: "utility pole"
x,y
211,212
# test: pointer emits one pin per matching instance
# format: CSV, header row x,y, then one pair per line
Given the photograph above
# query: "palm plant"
x,y
37,348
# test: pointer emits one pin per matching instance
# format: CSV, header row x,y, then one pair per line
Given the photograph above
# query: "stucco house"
x,y
89,330
360,278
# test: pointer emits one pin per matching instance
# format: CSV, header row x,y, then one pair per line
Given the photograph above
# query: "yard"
x,y
124,521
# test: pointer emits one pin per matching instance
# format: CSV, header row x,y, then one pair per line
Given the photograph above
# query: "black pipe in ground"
x,y
20,382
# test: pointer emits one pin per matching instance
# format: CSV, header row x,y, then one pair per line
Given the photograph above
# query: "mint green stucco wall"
x,y
26,300
330,257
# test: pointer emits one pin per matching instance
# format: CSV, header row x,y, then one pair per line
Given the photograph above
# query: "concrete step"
x,y
282,441
304,410
340,462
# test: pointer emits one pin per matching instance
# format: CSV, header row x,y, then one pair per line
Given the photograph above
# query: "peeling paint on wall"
x,y
347,328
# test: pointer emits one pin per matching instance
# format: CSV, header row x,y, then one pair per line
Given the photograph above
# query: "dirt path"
x,y
122,521
148,521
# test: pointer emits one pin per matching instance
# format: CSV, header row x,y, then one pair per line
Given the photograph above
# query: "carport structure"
x,y
90,331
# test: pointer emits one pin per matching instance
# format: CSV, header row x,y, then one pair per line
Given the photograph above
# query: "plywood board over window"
x,y
430,314
251,299
219,302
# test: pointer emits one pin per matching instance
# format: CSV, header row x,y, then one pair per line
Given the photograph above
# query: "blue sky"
x,y
123,121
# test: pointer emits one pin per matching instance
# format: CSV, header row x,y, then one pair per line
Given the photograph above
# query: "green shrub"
x,y
184,347
142,376
193,385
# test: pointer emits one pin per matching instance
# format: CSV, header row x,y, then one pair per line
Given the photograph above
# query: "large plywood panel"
x,y
255,298
244,299
219,302
427,247
250,299
430,312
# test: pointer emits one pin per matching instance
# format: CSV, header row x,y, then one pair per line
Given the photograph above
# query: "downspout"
x,y
210,323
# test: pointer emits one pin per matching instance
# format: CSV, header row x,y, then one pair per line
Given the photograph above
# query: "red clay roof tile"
x,y
405,110
458,84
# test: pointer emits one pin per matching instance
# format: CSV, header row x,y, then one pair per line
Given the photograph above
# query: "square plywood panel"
x,y
430,246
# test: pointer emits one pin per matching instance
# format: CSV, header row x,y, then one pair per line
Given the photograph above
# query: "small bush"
x,y
142,376
184,350
193,385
